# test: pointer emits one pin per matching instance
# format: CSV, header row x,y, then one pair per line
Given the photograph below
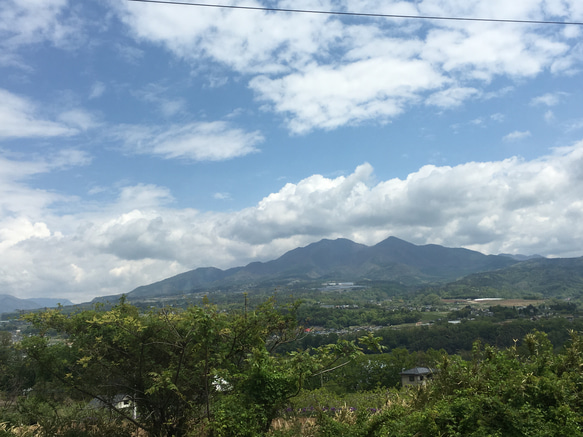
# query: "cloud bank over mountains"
x,y
506,206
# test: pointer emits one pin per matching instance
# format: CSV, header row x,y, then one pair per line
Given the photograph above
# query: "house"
x,y
416,376
122,402
118,402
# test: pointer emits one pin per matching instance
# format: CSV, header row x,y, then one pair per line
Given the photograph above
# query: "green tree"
x,y
15,375
181,368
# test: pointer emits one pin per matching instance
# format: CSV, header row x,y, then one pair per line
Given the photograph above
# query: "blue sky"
x,y
139,141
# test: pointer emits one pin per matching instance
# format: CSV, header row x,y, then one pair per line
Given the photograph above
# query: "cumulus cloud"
x,y
498,206
202,141
329,97
378,70
258,42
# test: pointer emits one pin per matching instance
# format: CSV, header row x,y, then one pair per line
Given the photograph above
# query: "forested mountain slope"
x,y
559,277
339,260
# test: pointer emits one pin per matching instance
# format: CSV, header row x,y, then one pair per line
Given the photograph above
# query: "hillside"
x,y
392,259
560,277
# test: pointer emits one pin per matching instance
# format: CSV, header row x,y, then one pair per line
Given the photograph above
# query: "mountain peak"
x,y
394,241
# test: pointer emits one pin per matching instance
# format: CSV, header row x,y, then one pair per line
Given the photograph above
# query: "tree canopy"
x,y
181,368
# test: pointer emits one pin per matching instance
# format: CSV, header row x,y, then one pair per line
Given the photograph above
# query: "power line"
x,y
360,14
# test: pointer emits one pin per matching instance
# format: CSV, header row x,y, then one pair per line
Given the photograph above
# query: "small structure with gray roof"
x,y
416,376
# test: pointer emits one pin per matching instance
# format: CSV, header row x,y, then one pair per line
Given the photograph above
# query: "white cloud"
x,y
20,119
33,21
13,170
436,204
78,118
499,206
485,51
327,97
203,141
451,97
66,158
143,196
548,99
222,196
17,200
19,229
320,72
256,42
516,136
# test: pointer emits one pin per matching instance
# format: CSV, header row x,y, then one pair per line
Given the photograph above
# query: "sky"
x,y
140,140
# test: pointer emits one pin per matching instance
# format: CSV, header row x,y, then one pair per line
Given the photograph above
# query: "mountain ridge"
x,y
538,276
341,259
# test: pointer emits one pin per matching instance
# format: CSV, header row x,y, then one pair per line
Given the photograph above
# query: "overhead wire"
x,y
360,14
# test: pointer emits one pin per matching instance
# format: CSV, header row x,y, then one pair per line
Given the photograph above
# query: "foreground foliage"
x,y
178,370
496,393
206,372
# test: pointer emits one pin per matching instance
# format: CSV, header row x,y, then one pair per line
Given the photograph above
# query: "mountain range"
x,y
10,303
342,260
456,271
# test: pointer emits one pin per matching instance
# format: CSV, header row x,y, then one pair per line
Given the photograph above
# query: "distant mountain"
x,y
519,257
544,277
49,302
338,260
200,278
10,303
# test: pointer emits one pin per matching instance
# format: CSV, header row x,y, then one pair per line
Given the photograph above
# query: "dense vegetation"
x,y
495,393
180,370
559,278
248,369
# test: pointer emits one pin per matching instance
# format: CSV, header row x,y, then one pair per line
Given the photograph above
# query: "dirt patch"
x,y
491,303
512,302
